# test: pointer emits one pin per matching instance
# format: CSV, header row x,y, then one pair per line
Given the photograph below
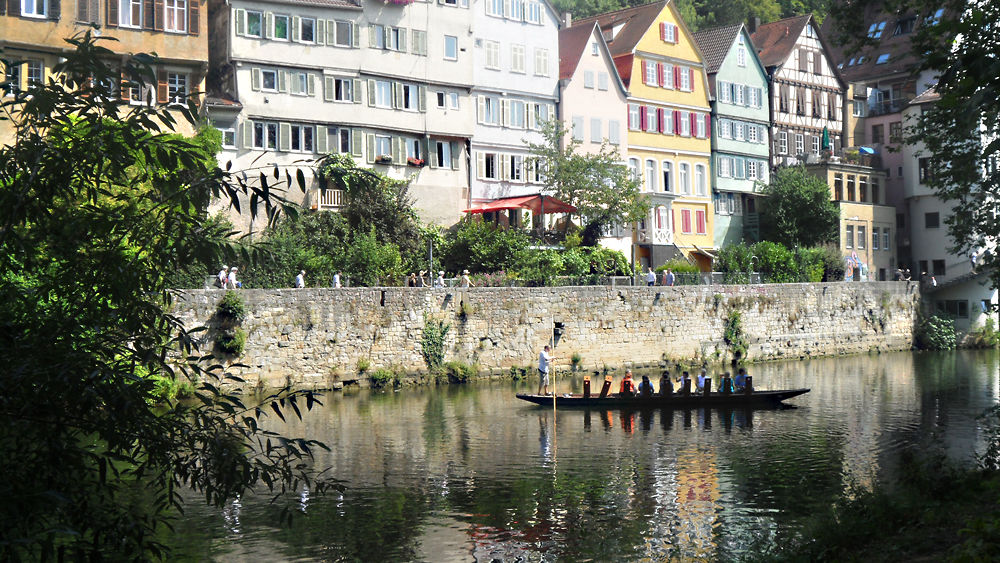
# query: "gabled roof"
x,y
902,59
573,43
775,40
635,23
716,43
929,95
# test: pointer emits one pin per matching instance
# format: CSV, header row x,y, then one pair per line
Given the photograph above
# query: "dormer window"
x,y
904,26
882,59
810,32
875,30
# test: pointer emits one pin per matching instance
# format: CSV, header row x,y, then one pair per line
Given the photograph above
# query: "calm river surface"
x,y
462,473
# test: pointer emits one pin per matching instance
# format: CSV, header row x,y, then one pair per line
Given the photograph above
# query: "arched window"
x,y
684,178
668,176
650,175
633,167
699,179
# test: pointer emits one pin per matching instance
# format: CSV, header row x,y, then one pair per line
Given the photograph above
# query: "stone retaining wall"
x,y
317,337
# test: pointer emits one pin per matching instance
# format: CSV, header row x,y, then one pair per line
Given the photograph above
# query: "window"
x,y
634,123
176,15
594,48
938,267
177,88
725,166
383,145
517,58
753,133
343,89
924,171
896,132
34,8
489,169
269,80
535,13
684,178
280,27
302,138
875,30
451,47
885,238
685,123
882,59
265,135
741,54
752,169
858,108
739,131
441,100
651,70
300,83
878,134
602,81
954,307
686,79
516,114
701,131
383,93
12,77
307,30
650,176
815,144
588,79
443,150
410,98
413,148
453,100
341,139
494,7
700,184
228,138
934,19
875,238
932,220
541,62
36,72
849,239
669,32
344,31
493,55
740,96
489,110
904,26
668,176
851,187
129,13
799,143
596,130
651,119
633,168
861,237
783,142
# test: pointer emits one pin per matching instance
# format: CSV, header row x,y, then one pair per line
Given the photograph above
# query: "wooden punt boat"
x,y
676,400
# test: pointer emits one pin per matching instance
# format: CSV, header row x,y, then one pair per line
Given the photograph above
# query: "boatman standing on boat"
x,y
627,386
544,361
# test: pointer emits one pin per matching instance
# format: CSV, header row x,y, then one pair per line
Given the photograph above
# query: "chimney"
x,y
754,24
567,20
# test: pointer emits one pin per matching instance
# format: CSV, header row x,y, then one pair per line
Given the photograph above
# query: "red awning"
x,y
533,202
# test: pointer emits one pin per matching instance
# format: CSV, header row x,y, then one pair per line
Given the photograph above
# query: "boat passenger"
x,y
726,382
702,378
645,387
741,379
685,380
666,387
627,386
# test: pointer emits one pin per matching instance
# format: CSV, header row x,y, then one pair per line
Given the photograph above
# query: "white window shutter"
x,y
355,35
455,153
481,108
283,81
328,88
397,95
255,79
241,22
505,110
247,134
268,25
402,39
371,92
311,84
296,23
322,139
356,142
480,164
284,136
356,91
422,98
320,32
371,148
331,32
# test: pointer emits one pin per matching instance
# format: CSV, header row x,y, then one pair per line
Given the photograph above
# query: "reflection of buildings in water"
x,y
697,497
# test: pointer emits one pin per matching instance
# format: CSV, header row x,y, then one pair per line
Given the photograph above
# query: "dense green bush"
x,y
432,342
540,267
483,247
460,372
371,262
936,333
382,378
231,310
985,336
735,262
231,342
778,264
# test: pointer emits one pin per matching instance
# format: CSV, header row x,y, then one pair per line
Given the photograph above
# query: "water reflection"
x,y
468,472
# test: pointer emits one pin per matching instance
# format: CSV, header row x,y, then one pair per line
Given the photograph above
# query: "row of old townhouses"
x,y
449,93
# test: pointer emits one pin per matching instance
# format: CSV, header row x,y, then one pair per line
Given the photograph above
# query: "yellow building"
x,y
33,38
866,223
669,128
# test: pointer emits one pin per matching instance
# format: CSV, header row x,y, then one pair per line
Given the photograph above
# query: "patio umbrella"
x,y
826,138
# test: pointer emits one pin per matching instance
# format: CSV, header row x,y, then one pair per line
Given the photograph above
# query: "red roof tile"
x,y
572,44
775,40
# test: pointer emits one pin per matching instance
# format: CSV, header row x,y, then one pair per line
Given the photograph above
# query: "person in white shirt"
x,y
544,362
300,280
650,277
223,277
702,377
439,282
233,284
336,279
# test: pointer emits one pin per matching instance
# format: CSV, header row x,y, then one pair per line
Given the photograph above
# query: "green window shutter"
x,y
331,32
296,23
321,139
320,31
397,95
284,137
432,154
371,92
328,88
311,84
371,148
356,142
422,98
398,150
247,134
268,25
356,91
455,153
255,79
241,22
371,35
283,81
355,35
295,84
425,145
402,39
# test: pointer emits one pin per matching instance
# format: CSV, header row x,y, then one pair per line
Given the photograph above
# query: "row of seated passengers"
x,y
645,389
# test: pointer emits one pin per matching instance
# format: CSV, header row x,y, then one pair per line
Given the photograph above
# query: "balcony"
x,y
886,107
655,236
331,200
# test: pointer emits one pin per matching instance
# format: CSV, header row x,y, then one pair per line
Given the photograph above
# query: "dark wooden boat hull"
x,y
757,398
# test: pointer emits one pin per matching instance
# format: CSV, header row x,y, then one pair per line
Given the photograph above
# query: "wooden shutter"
x,y
677,77
3,8
356,142
13,8
112,13
663,31
322,139
642,118
371,92
161,86
311,84
255,79
818,63
708,126
55,9
455,154
194,17
356,91
241,22
661,120
284,137
371,148
677,122
803,60
329,86
158,14
355,35
247,134
319,34
82,10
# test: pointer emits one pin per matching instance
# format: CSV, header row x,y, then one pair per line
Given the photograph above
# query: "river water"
x,y
463,473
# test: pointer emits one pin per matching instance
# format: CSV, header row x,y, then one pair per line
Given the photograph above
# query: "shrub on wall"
x,y
232,342
231,309
936,333
432,343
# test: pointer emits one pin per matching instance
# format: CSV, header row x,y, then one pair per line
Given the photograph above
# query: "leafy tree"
x,y
370,262
99,203
602,189
314,241
797,210
482,247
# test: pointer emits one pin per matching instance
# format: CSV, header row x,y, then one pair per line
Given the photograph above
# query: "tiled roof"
x,y
902,60
775,40
715,44
929,95
323,3
635,21
572,44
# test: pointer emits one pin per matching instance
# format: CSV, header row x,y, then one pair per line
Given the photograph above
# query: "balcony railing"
x,y
886,107
655,236
331,199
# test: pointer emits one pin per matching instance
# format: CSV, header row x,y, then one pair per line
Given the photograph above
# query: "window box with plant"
x,y
383,159
414,161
